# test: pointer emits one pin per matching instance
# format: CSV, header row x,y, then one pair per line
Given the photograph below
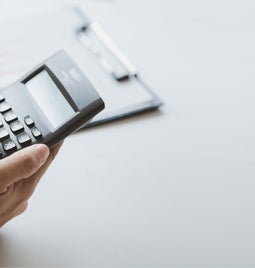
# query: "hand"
x,y
19,175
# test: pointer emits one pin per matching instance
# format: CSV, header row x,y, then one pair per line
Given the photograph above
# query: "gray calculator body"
x,y
50,102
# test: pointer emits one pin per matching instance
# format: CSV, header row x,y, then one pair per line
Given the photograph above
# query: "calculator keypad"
x,y
15,133
23,138
16,127
2,98
10,116
29,121
4,107
4,134
9,145
36,132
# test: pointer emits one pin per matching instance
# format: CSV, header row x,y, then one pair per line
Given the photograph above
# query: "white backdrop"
x,y
168,188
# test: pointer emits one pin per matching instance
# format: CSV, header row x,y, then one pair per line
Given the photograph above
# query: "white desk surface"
x,y
169,188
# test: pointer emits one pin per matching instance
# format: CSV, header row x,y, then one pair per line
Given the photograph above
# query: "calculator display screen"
x,y
50,99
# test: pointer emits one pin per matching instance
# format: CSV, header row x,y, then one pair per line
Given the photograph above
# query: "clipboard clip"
x,y
96,40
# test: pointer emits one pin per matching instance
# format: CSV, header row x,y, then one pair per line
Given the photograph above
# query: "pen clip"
x,y
96,40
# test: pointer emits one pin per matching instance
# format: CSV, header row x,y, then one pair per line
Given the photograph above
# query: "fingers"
x,y
53,152
21,209
19,175
5,217
25,187
22,164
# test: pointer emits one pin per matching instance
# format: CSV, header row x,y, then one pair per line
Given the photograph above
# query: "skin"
x,y
19,176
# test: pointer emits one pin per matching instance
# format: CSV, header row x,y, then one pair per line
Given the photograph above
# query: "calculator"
x,y
46,105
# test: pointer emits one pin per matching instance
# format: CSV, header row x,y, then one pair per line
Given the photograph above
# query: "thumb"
x,y
22,164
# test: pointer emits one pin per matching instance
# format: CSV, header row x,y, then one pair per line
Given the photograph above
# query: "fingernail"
x,y
43,151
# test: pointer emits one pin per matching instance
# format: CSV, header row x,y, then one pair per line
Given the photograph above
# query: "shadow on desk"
x,y
10,251
154,113
5,254
14,253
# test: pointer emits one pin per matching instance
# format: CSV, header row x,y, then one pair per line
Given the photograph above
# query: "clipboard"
x,y
25,42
